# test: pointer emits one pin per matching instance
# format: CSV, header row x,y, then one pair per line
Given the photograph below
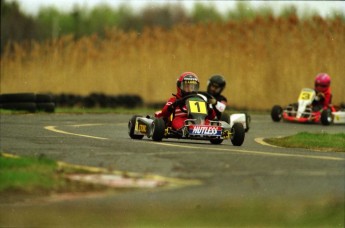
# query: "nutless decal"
x,y
204,130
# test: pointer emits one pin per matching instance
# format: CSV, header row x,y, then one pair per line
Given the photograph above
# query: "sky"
x,y
324,8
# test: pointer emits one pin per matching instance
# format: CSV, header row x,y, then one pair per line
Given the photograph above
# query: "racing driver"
x,y
187,83
323,91
215,87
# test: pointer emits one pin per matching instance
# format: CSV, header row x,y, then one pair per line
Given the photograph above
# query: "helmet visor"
x,y
321,85
190,86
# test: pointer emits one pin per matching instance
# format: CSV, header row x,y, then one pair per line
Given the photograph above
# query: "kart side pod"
x,y
238,118
338,117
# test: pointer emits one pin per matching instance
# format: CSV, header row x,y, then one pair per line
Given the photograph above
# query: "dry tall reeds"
x,y
264,61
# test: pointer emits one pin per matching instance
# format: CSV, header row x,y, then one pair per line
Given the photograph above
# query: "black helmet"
x,y
218,81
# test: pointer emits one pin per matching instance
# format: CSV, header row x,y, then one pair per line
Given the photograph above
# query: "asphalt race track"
x,y
225,173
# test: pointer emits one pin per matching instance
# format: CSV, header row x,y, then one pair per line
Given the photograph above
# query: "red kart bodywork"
x,y
309,117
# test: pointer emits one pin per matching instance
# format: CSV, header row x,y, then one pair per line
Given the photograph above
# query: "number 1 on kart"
x,y
198,107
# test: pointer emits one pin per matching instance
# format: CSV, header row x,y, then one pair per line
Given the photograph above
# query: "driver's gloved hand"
x,y
179,102
171,108
212,101
319,96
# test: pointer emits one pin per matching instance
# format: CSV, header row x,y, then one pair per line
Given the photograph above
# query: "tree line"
x,y
50,23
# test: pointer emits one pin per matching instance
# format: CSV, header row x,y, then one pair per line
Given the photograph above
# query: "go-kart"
x,y
196,126
304,112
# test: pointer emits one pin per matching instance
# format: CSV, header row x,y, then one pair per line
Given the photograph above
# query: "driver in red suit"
x,y
323,91
187,84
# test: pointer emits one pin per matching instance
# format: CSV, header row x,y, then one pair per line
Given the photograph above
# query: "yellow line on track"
x,y
53,128
262,142
277,154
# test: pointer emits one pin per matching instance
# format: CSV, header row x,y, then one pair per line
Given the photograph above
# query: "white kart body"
x,y
238,118
305,99
338,117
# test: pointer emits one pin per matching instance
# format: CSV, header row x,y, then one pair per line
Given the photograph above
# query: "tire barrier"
x,y
32,102
99,100
29,102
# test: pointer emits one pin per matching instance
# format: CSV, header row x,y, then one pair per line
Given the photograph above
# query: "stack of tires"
x,y
29,102
98,100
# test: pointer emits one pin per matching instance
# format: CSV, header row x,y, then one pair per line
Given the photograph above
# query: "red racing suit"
x,y
324,99
179,116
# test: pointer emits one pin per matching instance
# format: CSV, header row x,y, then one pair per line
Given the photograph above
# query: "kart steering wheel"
x,y
182,101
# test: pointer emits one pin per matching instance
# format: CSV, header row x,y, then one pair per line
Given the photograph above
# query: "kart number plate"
x,y
198,107
305,95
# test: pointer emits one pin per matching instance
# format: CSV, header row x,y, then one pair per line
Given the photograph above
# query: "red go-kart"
x,y
304,112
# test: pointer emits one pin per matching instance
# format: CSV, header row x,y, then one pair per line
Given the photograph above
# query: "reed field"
x,y
265,61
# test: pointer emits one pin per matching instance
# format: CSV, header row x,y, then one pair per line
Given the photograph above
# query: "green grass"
x,y
315,141
35,175
28,174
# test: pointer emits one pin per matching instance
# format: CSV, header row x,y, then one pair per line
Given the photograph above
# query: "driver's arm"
x,y
168,109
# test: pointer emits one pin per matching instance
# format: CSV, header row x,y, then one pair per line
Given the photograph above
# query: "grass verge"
x,y
28,174
37,176
315,141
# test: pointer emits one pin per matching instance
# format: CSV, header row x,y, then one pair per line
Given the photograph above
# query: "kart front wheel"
x,y
276,113
158,129
131,127
237,134
326,117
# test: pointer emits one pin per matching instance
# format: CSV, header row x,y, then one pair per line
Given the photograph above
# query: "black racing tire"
x,y
44,98
326,117
20,106
216,141
17,97
131,127
46,107
237,134
276,113
158,129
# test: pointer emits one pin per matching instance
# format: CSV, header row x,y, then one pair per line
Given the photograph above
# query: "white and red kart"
x,y
304,112
196,127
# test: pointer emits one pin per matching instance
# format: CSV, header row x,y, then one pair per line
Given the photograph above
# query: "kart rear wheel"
x,y
326,117
237,134
158,129
276,113
131,127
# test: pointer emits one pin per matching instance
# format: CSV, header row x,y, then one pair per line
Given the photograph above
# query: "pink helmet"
x,y
322,82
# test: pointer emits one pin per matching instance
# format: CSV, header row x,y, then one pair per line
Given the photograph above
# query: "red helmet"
x,y
322,82
188,82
